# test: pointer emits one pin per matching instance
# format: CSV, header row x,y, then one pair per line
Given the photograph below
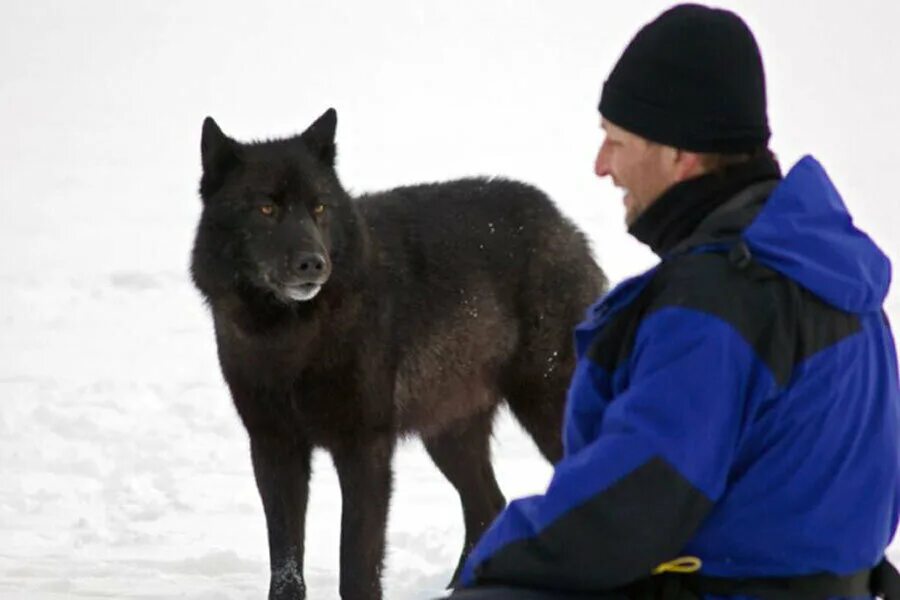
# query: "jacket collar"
x,y
675,215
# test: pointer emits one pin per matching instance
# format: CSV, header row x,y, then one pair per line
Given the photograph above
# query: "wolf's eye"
x,y
318,209
267,209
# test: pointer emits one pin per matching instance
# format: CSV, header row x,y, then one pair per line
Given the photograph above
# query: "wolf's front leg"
x,y
364,469
282,469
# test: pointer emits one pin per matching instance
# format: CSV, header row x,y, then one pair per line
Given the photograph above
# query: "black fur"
x,y
434,303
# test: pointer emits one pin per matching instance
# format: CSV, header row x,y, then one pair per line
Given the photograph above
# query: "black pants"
x,y
516,593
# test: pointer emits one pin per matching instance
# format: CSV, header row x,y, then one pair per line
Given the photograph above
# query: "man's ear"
x,y
219,154
688,165
319,137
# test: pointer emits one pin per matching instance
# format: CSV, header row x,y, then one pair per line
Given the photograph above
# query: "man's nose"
x,y
601,163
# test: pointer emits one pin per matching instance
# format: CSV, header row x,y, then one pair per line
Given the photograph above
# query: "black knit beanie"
x,y
693,78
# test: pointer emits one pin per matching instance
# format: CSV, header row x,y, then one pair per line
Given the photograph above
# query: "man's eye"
x,y
267,209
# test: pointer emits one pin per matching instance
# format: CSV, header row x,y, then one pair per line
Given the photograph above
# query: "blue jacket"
x,y
737,403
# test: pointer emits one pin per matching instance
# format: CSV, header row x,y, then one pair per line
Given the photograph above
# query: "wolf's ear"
x,y
219,156
319,137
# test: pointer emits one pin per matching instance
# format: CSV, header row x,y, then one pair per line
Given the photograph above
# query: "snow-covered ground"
x,y
124,472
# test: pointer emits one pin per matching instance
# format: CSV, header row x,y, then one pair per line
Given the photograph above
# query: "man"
x,y
733,424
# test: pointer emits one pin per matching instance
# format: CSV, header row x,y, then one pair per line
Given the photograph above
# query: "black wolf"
x,y
345,323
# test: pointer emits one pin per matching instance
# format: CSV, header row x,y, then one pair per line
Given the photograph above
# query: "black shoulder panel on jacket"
x,y
783,322
646,518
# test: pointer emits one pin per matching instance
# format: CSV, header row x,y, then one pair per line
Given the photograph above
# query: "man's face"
x,y
642,169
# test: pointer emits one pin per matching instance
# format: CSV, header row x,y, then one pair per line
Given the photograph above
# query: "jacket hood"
x,y
805,232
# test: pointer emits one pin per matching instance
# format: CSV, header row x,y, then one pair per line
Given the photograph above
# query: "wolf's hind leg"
x,y
462,453
539,407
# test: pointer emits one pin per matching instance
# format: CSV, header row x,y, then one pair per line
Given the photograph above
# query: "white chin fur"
x,y
301,294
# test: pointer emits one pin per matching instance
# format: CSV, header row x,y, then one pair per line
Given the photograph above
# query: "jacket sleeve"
x,y
633,496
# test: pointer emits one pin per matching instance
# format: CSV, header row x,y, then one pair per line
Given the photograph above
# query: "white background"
x,y
124,472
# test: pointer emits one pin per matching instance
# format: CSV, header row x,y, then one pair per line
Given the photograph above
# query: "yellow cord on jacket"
x,y
682,564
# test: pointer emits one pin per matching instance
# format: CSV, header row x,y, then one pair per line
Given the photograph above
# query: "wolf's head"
x,y
275,217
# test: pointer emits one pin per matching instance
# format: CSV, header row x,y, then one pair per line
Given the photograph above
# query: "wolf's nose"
x,y
310,262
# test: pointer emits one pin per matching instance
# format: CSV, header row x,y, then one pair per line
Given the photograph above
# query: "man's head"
x,y
690,85
641,168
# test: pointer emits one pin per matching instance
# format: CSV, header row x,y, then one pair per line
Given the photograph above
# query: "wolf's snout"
x,y
311,266
311,262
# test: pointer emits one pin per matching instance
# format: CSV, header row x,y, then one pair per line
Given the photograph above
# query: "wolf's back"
x,y
507,231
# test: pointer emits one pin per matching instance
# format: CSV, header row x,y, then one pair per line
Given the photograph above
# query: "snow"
x,y
124,472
